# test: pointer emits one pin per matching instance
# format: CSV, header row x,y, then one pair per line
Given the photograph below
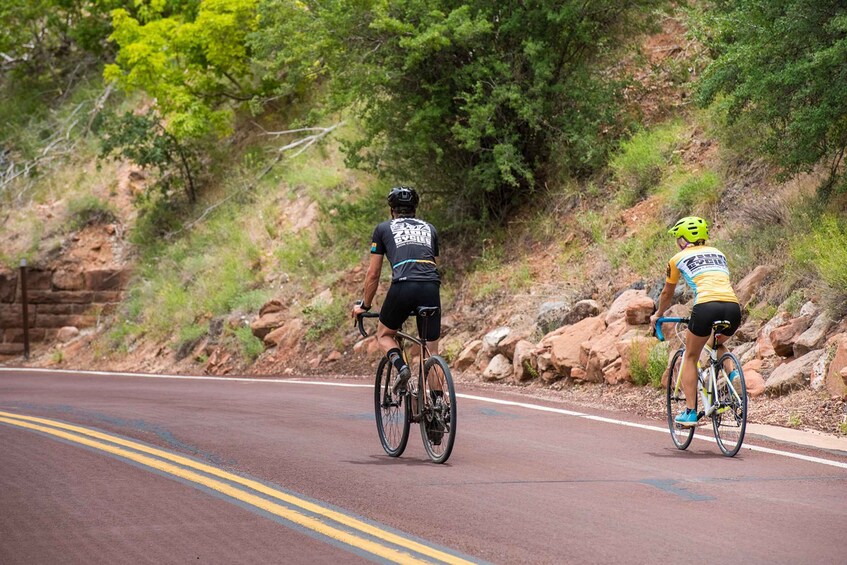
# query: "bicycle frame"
x,y
417,405
716,384
715,391
400,337
707,379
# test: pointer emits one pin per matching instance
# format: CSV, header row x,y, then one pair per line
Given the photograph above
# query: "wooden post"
x,y
25,309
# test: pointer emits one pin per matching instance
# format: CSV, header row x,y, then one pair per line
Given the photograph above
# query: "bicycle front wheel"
x,y
438,416
392,411
730,418
675,399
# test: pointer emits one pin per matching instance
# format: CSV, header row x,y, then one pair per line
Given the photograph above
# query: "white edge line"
x,y
182,377
537,407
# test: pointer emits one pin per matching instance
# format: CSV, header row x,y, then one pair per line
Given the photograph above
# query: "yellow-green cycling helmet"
x,y
692,228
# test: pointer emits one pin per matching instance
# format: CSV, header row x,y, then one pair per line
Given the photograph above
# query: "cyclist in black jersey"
x,y
411,246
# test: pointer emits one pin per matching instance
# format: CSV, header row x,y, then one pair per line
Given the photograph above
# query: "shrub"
x,y
451,350
520,278
593,226
210,272
191,334
646,250
823,250
696,190
121,336
651,369
781,65
144,139
250,301
794,302
323,317
57,356
251,346
88,210
474,98
762,312
641,161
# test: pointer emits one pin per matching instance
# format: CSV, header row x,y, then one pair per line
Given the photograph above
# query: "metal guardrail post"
x,y
25,309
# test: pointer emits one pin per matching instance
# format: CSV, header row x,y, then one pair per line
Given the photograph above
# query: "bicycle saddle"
x,y
720,325
427,311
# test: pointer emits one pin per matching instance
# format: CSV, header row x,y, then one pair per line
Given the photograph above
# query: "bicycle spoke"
x,y
438,418
391,411
730,419
675,403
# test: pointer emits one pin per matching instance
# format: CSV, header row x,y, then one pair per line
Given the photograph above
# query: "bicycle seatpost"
x,y
423,336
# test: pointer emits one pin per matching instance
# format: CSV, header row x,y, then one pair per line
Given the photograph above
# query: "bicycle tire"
x,y
438,419
729,420
675,402
391,411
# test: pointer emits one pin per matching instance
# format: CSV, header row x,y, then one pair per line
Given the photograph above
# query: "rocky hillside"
x,y
555,299
557,332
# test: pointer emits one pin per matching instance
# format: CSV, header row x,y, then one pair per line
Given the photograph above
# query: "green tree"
x,y
782,64
191,57
46,35
473,99
144,140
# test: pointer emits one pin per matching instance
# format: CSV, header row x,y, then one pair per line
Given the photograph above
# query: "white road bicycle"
x,y
724,401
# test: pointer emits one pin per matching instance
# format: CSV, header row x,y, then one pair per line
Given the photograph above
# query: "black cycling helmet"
x,y
403,197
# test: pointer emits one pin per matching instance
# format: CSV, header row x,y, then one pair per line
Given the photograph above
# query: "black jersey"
x,y
411,246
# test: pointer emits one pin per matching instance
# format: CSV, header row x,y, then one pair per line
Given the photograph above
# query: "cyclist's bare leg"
x,y
722,349
693,347
385,337
435,380
387,340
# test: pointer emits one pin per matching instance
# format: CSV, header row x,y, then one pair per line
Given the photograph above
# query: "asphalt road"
x,y
133,469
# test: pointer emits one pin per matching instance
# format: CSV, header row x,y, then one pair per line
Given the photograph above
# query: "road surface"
x,y
98,468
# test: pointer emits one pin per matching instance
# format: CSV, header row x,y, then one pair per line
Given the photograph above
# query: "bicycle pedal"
x,y
697,424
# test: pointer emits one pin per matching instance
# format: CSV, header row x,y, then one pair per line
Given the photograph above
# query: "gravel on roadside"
x,y
800,410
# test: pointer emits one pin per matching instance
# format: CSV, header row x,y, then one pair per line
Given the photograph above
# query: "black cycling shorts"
x,y
704,314
402,299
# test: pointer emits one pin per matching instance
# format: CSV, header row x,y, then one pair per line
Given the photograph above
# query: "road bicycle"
x,y
724,399
429,397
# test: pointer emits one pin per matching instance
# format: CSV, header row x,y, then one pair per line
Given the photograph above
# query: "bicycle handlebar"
x,y
660,321
361,325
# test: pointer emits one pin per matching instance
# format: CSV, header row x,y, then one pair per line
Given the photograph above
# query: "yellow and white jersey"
x,y
706,272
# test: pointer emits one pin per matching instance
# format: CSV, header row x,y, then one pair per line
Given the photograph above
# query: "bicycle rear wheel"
x,y
730,418
438,417
392,411
675,398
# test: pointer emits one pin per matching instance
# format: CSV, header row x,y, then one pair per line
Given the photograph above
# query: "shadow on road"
x,y
386,460
690,454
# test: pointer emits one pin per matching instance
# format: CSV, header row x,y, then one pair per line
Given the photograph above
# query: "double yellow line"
x,y
358,534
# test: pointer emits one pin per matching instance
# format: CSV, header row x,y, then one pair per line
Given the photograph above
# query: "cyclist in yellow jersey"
x,y
705,270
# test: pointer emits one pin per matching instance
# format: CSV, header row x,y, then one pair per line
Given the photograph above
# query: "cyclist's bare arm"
x,y
372,278
664,301
371,284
